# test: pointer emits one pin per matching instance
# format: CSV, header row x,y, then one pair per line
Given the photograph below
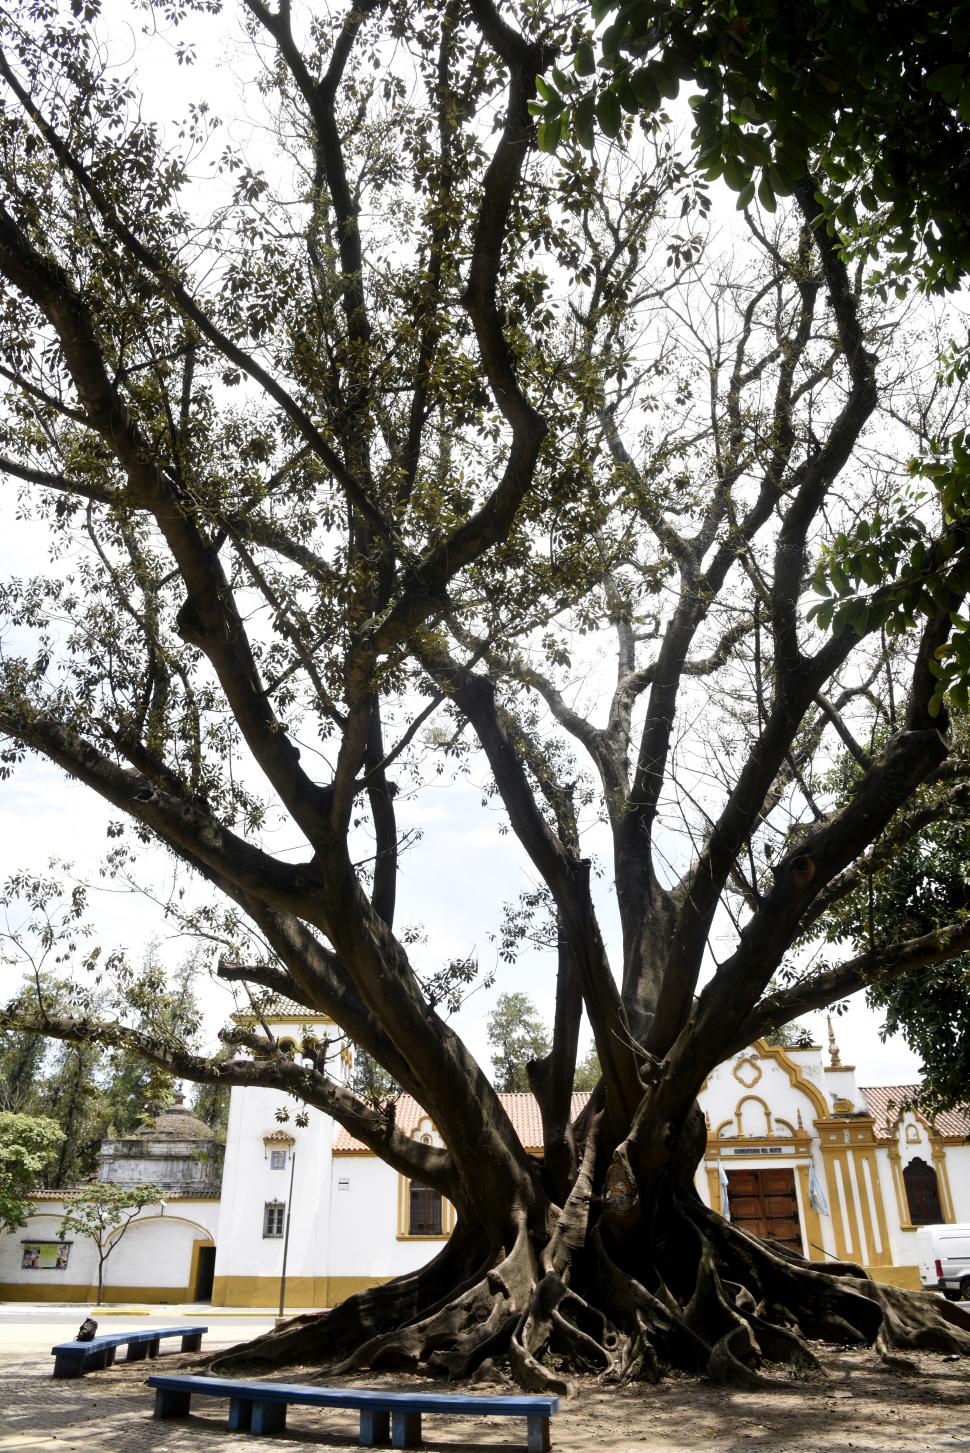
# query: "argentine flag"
x,y
725,1206
815,1193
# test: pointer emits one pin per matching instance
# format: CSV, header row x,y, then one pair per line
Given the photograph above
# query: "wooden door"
x,y
764,1202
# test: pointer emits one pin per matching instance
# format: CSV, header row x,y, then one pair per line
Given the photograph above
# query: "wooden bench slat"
x,y
72,1359
260,1407
139,1334
488,1405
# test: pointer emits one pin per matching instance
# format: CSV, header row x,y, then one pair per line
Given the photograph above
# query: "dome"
x,y
172,1150
175,1123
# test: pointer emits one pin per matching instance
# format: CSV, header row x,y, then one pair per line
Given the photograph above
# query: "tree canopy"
x,y
381,449
874,94
27,1143
921,885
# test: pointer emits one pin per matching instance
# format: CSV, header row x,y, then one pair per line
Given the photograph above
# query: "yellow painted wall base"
x,y
18,1291
897,1276
301,1291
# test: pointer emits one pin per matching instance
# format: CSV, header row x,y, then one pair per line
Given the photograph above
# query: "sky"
x,y
455,884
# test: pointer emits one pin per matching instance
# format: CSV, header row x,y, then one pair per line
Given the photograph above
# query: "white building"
x,y
167,1254
798,1151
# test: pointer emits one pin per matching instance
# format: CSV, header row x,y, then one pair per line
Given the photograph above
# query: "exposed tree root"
x,y
710,1299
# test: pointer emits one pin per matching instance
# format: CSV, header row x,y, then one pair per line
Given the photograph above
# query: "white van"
x,y
944,1260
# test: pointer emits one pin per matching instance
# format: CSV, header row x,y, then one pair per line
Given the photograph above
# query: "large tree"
x,y
419,448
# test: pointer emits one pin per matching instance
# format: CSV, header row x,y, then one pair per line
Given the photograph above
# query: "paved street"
x,y
108,1412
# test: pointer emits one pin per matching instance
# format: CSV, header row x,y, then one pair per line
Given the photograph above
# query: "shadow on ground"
x,y
860,1407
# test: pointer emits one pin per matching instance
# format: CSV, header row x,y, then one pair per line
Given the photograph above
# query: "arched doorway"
x,y
922,1193
205,1267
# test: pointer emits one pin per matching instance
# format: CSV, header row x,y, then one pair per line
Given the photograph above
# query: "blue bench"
x,y
71,1359
385,1417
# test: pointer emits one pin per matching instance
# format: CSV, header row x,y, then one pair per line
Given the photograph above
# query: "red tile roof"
x,y
884,1103
521,1108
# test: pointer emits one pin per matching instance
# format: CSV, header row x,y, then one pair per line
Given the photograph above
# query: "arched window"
x,y
922,1193
424,1211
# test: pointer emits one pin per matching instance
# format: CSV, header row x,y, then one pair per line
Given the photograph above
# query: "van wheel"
x,y
952,1296
965,1289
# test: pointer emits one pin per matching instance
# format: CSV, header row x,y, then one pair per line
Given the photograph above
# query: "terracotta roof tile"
x,y
521,1108
884,1103
278,1006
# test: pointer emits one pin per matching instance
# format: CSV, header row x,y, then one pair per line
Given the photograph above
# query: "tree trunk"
x,y
624,1280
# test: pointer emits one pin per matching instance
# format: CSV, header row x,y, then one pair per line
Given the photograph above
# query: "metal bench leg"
x,y
192,1342
152,1348
240,1414
538,1441
405,1430
109,1356
68,1364
137,1351
375,1428
268,1418
170,1404
95,1361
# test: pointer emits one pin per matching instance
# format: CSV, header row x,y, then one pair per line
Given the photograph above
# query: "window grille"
x,y
424,1218
274,1218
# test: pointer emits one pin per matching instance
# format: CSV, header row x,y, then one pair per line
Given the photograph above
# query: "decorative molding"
x,y
795,1073
747,1071
739,1117
942,1179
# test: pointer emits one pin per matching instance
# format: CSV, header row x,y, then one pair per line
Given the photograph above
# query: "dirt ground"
x,y
858,1406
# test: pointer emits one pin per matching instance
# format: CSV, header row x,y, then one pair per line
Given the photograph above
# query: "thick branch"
x,y
876,966
377,1131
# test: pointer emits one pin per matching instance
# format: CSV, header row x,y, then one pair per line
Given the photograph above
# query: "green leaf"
x,y
947,81
583,120
765,195
549,134
839,578
960,696
735,173
608,113
585,61
645,88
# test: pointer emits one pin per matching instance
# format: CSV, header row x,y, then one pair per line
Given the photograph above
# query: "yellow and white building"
x,y
796,1150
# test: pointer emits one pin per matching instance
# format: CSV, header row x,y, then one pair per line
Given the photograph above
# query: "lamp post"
x,y
286,1235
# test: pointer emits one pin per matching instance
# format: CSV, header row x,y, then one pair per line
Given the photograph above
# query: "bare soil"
x,y
858,1405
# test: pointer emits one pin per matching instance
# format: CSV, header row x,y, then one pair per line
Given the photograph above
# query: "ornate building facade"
x,y
796,1150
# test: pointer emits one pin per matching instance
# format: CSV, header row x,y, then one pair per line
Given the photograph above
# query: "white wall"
x,y
155,1251
249,1182
363,1222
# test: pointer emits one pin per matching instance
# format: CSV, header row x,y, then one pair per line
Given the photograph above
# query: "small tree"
x,y
104,1212
516,1035
588,1071
26,1145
